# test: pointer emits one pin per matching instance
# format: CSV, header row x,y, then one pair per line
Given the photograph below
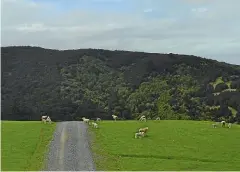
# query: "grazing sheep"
x,y
143,129
49,120
46,119
214,125
98,119
95,125
229,125
223,123
158,118
115,117
85,120
143,118
139,134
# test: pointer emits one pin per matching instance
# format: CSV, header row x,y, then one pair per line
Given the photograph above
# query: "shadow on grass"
x,y
168,157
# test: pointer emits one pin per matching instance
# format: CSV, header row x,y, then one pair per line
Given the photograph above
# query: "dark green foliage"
x,y
68,85
235,84
220,87
237,118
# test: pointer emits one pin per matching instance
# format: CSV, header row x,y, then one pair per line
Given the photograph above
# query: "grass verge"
x,y
24,144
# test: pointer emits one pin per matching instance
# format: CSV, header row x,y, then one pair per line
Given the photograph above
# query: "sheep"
x,y
223,123
49,120
139,134
95,125
143,130
115,117
98,119
229,125
46,119
214,125
85,120
142,118
158,118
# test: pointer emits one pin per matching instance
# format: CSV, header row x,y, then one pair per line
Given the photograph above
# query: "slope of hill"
x,y
70,84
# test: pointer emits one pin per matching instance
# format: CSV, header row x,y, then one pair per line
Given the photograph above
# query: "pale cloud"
x,y
200,10
148,10
209,29
35,27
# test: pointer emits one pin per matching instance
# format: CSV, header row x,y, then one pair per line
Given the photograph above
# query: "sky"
x,y
206,28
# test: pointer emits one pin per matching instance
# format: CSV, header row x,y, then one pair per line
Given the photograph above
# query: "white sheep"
x,y
229,125
223,123
139,134
115,117
143,118
158,118
98,119
85,120
46,119
95,125
49,120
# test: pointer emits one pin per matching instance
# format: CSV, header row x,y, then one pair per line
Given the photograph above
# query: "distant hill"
x,y
70,84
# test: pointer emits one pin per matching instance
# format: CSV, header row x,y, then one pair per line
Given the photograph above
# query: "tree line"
x,y
70,84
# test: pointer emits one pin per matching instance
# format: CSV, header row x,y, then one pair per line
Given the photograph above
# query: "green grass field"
x,y
24,145
169,145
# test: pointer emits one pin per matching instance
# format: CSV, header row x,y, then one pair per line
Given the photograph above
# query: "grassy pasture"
x,y
169,145
24,145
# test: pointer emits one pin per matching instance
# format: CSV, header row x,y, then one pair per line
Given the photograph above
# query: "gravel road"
x,y
69,149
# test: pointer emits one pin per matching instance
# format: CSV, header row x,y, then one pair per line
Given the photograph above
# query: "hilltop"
x,y
70,84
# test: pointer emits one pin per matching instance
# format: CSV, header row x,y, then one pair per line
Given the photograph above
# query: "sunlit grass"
x,y
169,145
24,144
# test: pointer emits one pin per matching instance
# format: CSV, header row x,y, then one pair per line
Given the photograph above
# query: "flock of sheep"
x,y
141,132
223,124
94,124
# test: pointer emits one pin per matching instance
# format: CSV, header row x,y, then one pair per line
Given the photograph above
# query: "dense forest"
x,y
70,84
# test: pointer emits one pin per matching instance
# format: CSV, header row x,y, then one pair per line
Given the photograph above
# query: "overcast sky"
x,y
208,28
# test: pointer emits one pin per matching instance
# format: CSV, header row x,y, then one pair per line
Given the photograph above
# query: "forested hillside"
x,y
70,84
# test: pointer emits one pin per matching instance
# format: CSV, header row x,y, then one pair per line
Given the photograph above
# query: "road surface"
x,y
69,149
